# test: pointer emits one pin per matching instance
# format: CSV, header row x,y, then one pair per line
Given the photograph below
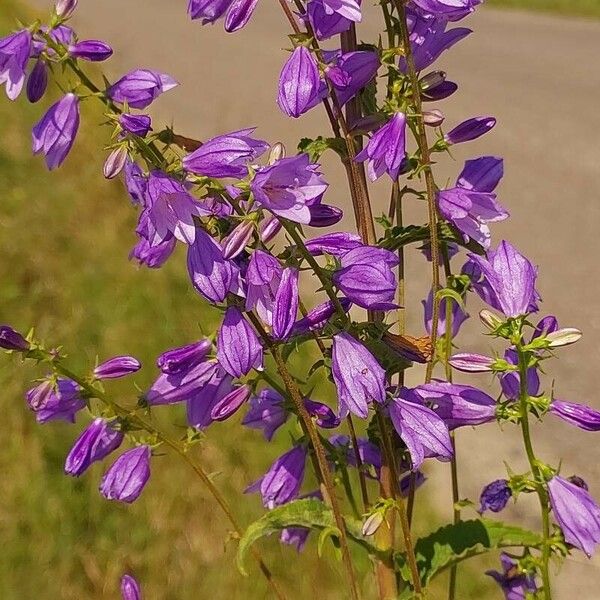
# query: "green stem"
x,y
540,483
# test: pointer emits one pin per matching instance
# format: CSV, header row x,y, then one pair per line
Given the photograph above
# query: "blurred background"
x,y
65,239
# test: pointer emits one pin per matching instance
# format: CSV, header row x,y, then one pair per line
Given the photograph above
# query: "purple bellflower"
x,y
15,50
481,174
358,377
505,280
96,442
458,405
422,430
183,358
230,403
515,584
226,155
349,73
318,317
127,476
368,452
323,415
60,402
336,244
386,150
130,588
263,278
581,416
576,513
366,277
330,17
238,348
495,496
288,187
470,129
212,275
285,305
266,413
511,381
140,88
453,10
55,133
10,339
202,402
92,50
299,83
116,367
208,10
155,256
138,125
37,82
324,215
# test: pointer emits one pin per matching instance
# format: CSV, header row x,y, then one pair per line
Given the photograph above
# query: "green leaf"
x,y
454,543
315,148
310,513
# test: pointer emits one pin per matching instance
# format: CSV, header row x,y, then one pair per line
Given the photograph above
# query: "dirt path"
x,y
537,74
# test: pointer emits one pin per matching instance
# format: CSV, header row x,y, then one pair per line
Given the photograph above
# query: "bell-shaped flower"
x,y
299,83
10,339
263,278
330,17
336,244
37,82
15,50
576,512
183,358
230,403
208,10
495,496
288,187
55,132
153,256
138,125
238,348
580,415
469,130
349,73
459,316
505,280
453,10
318,317
116,367
285,305
92,50
201,404
139,88
386,150
515,583
266,413
481,174
95,443
130,588
212,275
324,215
127,476
323,415
420,428
239,14
226,155
366,277
429,38
358,377
55,402
457,405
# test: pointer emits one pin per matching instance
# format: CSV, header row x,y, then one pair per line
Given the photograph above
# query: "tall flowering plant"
x,y
246,211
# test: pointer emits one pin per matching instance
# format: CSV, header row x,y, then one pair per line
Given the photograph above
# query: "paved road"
x,y
537,74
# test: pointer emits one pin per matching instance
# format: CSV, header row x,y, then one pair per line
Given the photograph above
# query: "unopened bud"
x,y
65,8
277,153
115,162
489,319
432,80
12,340
563,337
433,118
373,523
472,363
269,228
238,239
37,81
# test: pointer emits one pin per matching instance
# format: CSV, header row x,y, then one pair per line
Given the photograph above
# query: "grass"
x,y
583,8
64,242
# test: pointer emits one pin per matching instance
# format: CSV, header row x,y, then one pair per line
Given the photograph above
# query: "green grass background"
x,y
64,243
585,8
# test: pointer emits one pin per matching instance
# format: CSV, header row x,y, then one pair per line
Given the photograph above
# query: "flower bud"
x,y
470,130
489,319
472,363
432,80
37,82
12,340
319,316
116,367
130,588
285,304
323,215
269,228
92,50
115,162
65,8
127,476
183,358
138,125
277,153
495,496
373,523
563,337
323,415
439,92
230,403
433,118
237,240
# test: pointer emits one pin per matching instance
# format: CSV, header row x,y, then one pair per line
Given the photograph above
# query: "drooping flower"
x,y
581,416
295,536
65,8
282,482
139,88
576,513
130,588
155,256
183,358
10,339
136,182
337,243
299,83
459,316
92,50
285,304
358,377
263,277
55,402
119,366
324,215
266,413
458,405
350,72
238,348
330,17
469,130
55,133
495,496
481,174
226,155
386,149
515,583
429,38
37,82
505,280
208,10
367,278
212,275
127,476
96,442
318,317
239,14
138,125
453,10
288,186
230,403
422,430
369,453
323,415
15,50
202,402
